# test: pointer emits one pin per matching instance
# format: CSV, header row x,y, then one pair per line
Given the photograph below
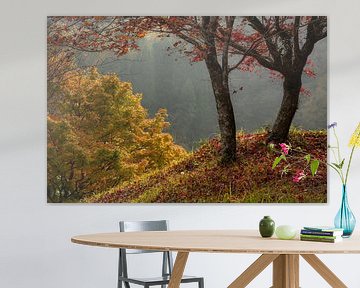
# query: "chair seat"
x,y
158,280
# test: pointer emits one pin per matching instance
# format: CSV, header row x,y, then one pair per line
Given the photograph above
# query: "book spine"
x,y
317,239
320,233
319,236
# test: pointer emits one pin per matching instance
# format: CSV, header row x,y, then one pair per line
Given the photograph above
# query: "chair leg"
x,y
201,283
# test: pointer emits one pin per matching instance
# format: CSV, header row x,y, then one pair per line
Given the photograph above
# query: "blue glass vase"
x,y
345,219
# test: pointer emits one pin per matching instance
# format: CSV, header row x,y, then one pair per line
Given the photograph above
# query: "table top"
x,y
217,241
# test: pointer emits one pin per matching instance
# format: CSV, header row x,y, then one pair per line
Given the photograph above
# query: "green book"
x,y
319,236
325,240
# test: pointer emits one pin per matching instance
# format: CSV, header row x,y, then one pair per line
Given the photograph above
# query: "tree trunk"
x,y
289,105
225,110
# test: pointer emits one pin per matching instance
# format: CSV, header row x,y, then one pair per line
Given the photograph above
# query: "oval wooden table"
x,y
284,254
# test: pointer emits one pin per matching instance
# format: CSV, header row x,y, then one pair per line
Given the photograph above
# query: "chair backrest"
x,y
137,226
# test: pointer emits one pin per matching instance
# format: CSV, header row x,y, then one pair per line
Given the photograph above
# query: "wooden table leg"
x,y
253,270
286,271
324,271
293,262
178,269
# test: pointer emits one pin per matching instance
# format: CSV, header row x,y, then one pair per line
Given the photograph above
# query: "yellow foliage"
x,y
355,138
103,136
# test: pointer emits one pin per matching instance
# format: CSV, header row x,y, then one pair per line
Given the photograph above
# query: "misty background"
x,y
170,80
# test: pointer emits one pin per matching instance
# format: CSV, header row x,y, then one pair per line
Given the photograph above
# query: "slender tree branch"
x,y
267,35
225,54
296,37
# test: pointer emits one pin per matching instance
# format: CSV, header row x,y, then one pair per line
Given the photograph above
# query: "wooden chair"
x,y
167,262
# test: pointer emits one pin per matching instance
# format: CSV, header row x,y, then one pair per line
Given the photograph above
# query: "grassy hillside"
x,y
201,179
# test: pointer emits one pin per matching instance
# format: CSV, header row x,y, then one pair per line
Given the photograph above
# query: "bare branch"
x,y
263,60
259,27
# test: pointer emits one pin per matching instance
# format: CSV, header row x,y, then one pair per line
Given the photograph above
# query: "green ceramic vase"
x,y
267,227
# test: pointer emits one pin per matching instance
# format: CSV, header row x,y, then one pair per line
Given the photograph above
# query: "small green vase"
x,y
267,227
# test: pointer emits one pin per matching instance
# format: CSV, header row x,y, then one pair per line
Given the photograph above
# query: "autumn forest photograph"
x,y
187,109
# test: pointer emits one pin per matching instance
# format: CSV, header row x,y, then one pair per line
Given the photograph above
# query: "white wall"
x,y
35,248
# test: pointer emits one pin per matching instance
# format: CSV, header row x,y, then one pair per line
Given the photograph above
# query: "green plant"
x,y
311,163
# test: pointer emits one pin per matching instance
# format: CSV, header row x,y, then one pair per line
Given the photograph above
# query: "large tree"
x,y
120,34
283,44
224,43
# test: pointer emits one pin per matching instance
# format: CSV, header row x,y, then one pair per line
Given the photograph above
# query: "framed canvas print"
x,y
187,109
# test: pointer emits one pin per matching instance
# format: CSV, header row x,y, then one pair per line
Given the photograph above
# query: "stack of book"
x,y
321,234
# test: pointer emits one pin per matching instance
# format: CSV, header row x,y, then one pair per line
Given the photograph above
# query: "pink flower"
x,y
284,148
299,176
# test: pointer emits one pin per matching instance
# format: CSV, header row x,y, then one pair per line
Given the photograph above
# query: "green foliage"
x,y
339,166
277,160
314,165
101,136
